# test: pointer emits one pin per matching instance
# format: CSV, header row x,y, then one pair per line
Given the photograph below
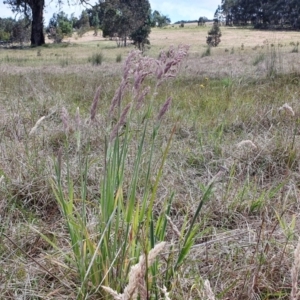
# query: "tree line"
x,y
260,13
120,19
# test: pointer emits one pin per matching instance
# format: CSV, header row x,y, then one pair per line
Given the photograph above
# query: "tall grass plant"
x,y
126,227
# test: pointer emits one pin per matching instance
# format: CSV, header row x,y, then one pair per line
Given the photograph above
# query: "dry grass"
x,y
78,50
223,105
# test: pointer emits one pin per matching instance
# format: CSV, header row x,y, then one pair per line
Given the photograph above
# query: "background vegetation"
x,y
262,14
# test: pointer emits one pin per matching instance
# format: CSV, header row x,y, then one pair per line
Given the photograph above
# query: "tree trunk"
x,y
37,28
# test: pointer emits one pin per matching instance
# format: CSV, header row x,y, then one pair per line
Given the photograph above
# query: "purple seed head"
x,y
95,104
164,109
120,123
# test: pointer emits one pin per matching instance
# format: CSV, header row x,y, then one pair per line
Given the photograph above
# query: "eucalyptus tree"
x,y
122,18
159,20
34,10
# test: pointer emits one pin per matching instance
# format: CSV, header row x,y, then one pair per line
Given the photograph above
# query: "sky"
x,y
177,11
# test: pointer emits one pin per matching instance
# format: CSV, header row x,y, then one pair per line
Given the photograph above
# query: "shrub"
x,y
213,38
4,36
59,27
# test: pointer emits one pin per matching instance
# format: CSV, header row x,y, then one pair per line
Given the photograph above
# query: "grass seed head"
x,y
121,122
117,99
165,293
174,227
141,97
113,293
164,109
137,284
65,119
208,291
246,143
287,109
95,104
37,124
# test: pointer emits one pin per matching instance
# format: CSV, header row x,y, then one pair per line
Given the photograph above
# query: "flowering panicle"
x,y
287,108
37,124
208,291
131,59
142,69
121,122
137,68
174,227
166,293
95,104
113,293
159,71
164,109
141,96
137,286
65,119
163,55
139,77
116,100
167,64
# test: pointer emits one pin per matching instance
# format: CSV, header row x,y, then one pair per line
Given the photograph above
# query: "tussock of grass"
x,y
259,58
119,58
207,52
96,59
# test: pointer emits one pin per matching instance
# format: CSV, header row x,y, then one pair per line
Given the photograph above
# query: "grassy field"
x,y
203,156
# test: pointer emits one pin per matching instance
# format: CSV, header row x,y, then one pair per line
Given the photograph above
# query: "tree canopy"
x,y
59,27
262,13
202,21
214,35
124,18
159,20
